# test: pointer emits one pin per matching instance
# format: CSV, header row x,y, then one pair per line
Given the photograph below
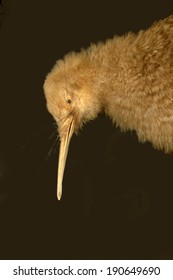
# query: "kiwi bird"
x,y
129,77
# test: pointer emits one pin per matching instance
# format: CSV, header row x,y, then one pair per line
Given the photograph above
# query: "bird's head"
x,y
72,95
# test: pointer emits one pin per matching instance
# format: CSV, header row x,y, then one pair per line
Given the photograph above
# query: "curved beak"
x,y
64,146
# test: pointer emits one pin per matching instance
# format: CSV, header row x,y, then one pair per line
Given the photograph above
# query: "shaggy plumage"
x,y
130,78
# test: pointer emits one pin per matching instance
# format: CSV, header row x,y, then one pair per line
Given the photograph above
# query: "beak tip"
x,y
59,195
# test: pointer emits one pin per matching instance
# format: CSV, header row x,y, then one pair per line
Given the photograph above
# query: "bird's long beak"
x,y
65,141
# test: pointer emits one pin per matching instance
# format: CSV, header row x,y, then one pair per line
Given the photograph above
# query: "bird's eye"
x,y
69,101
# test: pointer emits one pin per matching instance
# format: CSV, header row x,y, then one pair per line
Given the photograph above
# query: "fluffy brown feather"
x,y
130,78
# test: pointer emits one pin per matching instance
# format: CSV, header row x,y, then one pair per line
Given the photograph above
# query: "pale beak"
x,y
65,141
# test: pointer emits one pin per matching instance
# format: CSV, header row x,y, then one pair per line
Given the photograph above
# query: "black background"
x,y
117,193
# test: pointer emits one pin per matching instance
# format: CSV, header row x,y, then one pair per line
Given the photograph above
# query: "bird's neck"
x,y
114,61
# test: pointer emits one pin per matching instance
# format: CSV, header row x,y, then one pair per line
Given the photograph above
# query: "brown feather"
x,y
130,78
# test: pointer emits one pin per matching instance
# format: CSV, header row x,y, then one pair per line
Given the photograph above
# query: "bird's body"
x,y
130,78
